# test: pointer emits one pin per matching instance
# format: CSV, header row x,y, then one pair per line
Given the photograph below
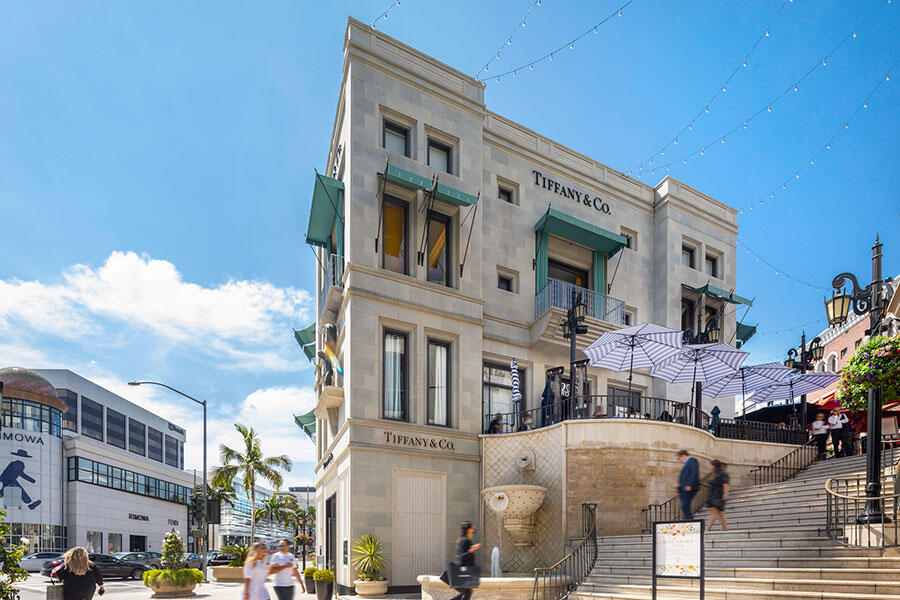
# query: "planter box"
x,y
168,590
228,573
310,584
324,590
369,589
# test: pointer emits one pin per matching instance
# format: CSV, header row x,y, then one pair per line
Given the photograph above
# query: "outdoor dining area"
x,y
714,369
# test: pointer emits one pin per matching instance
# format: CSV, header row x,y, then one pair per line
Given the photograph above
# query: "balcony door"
x,y
564,272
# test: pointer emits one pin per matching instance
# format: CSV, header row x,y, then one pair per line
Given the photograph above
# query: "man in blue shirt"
x,y
688,482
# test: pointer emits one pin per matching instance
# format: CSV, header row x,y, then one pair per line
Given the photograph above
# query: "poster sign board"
x,y
889,426
678,551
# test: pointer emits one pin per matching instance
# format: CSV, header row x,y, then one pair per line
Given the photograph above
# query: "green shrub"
x,y
876,364
180,577
323,575
172,552
9,560
239,550
237,562
309,571
368,557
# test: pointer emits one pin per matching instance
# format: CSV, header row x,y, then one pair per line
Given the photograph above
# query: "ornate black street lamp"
x,y
710,335
804,361
572,327
872,300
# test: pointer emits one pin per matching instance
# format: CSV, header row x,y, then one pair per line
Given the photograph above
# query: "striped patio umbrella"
x,y
516,391
794,386
638,346
748,379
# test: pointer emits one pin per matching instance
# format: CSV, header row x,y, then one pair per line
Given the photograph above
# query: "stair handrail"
x,y
670,510
787,466
555,582
843,511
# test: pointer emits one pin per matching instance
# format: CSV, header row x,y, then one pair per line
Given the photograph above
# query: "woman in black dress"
x,y
79,575
718,494
465,555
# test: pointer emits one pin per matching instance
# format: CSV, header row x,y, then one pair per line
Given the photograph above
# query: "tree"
x,y
10,571
277,509
876,364
252,466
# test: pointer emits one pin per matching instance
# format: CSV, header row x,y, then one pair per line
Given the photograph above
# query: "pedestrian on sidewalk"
x,y
718,494
465,555
283,566
836,425
688,482
79,575
255,572
820,434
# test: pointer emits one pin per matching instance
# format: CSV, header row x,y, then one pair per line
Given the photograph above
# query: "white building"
x,y
235,526
82,466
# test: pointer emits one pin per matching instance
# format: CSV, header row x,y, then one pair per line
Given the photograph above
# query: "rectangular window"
x,y
440,156
504,283
687,256
395,376
70,419
171,451
154,444
687,315
94,543
630,238
396,138
180,454
91,419
137,433
712,265
629,318
438,250
88,471
396,243
115,428
115,543
505,194
623,403
857,343
563,272
497,398
843,352
438,383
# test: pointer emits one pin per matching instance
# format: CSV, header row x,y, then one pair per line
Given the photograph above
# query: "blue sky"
x,y
156,163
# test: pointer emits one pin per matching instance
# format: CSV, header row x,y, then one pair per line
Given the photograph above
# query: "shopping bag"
x,y
445,577
465,576
55,591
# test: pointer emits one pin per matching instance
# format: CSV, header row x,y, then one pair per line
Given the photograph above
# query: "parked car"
x,y
221,559
109,566
145,558
34,562
193,561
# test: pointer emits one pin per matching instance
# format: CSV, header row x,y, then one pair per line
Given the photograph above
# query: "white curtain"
x,y
437,385
394,351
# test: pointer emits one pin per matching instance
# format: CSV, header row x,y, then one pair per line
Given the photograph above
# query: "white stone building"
x,y
449,241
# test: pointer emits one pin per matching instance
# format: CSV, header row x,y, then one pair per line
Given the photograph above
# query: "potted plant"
x,y
324,584
173,580
368,560
308,580
233,571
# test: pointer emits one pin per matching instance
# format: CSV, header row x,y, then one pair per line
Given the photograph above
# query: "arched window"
x,y
832,363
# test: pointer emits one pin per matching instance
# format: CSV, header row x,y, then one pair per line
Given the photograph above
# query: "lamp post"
x,y
804,361
572,327
204,521
869,300
710,335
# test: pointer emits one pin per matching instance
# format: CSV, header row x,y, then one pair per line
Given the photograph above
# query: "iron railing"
x,y
787,466
555,583
755,431
847,502
670,510
333,275
558,294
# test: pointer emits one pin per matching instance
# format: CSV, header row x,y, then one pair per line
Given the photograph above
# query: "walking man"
x,y
283,565
688,482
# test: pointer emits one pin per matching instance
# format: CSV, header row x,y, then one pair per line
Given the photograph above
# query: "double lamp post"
x,y
804,361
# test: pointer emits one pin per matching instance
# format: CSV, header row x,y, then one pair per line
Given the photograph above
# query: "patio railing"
x,y
558,294
332,276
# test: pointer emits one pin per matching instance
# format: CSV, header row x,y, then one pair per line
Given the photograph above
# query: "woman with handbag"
x,y
79,576
465,556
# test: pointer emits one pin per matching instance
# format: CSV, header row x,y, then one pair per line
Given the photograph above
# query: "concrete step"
x,y
837,587
716,543
840,562
732,533
733,590
758,552
606,573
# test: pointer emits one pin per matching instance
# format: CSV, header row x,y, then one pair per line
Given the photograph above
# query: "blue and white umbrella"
x,y
638,346
748,379
792,387
516,392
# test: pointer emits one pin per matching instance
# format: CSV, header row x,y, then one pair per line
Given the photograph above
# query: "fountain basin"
x,y
516,504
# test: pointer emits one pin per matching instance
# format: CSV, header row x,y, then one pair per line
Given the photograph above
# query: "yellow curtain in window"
x,y
437,248
393,230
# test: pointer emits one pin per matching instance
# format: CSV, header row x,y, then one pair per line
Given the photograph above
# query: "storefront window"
x,y
94,542
438,249
395,379
438,383
115,543
395,236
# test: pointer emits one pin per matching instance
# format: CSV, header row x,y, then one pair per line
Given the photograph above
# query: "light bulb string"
x,y
720,89
767,107
789,329
778,270
570,44
384,15
508,41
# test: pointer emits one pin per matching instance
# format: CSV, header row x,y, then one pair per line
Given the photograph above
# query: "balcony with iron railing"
x,y
558,294
332,277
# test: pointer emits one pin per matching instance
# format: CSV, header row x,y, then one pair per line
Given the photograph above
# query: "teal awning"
x,y
745,332
307,339
720,294
417,182
307,422
328,196
580,232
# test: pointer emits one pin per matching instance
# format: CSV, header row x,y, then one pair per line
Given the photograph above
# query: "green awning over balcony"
x,y
720,294
580,232
307,422
307,339
745,332
327,200
417,182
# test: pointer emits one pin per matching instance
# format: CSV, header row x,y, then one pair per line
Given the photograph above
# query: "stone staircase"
x,y
775,547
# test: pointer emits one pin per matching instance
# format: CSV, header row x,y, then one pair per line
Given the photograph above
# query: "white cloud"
x,y
241,323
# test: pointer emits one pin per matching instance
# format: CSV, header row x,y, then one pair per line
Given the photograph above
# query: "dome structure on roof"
x,y
25,384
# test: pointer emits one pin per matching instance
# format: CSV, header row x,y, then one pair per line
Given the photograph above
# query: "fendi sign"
x,y
570,192
415,441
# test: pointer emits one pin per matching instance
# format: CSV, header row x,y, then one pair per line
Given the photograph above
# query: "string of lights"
x,y
789,329
509,38
720,90
780,272
384,15
765,109
549,56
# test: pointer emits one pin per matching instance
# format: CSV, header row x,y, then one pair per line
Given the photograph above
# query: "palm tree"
x,y
220,494
251,465
277,509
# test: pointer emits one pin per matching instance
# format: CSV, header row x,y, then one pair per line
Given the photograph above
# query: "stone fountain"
x,y
517,503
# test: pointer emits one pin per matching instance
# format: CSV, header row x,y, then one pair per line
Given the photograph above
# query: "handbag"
x,y
55,591
463,576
